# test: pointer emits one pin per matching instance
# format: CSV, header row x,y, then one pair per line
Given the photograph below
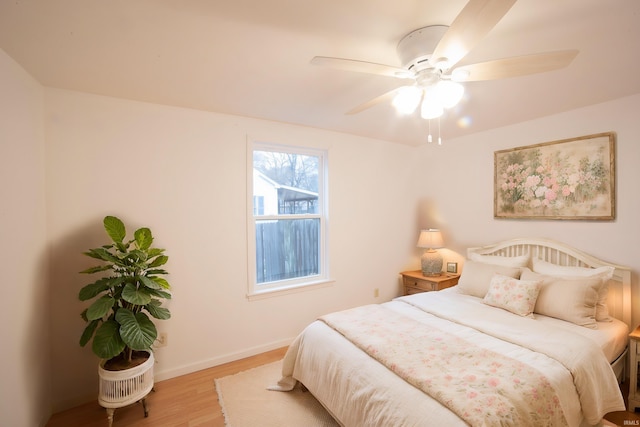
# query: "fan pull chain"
x,y
439,139
429,137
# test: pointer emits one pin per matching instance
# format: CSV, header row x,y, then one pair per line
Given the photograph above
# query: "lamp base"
x,y
431,263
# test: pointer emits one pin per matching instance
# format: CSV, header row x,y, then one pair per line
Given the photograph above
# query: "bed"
x,y
535,333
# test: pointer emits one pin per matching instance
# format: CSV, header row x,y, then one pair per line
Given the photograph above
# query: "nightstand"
x,y
414,282
634,358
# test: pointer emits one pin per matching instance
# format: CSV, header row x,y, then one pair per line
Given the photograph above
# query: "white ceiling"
x,y
251,57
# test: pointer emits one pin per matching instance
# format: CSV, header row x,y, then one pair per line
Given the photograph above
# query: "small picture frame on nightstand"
x,y
452,267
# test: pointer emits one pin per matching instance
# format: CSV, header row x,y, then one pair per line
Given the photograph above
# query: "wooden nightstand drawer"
x,y
419,285
414,282
408,290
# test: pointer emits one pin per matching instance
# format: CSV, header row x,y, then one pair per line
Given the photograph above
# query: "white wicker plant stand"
x,y
121,388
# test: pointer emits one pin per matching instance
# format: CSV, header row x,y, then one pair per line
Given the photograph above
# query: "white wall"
x,y
183,173
461,202
24,317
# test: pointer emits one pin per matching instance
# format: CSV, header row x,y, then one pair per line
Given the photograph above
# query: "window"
x,y
258,205
287,224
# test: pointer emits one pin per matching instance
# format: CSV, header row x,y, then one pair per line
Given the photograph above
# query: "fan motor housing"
x,y
415,49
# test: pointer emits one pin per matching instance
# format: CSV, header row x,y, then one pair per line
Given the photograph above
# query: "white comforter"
x,y
361,392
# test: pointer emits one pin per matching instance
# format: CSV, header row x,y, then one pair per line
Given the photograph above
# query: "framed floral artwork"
x,y
566,179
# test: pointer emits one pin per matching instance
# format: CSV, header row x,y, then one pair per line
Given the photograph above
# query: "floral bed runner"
x,y
482,387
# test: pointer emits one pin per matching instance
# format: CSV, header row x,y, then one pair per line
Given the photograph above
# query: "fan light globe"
x,y
407,99
431,106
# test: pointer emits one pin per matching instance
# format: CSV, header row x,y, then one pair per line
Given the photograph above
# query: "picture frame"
x,y
452,267
569,179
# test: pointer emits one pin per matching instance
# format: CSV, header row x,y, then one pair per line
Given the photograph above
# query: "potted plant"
x,y
130,289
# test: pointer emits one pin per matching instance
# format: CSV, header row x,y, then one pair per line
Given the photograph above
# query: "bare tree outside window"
x,y
295,170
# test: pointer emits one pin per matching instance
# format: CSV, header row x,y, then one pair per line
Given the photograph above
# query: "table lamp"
x,y
431,260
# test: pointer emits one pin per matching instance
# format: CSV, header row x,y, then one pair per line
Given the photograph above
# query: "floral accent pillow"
x,y
514,295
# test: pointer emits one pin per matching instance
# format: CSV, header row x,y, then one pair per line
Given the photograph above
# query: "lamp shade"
x,y
430,239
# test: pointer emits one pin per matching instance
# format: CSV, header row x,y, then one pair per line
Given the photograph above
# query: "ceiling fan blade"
x,y
514,67
470,26
388,96
362,67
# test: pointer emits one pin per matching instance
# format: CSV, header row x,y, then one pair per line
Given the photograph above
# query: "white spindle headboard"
x,y
619,299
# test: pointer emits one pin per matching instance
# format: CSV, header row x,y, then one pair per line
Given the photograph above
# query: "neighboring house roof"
x,y
286,192
264,177
292,193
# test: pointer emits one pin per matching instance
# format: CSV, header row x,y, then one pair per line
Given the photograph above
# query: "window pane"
x,y
287,249
258,205
285,183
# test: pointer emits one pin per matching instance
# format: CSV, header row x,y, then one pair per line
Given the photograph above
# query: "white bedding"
x,y
611,336
359,391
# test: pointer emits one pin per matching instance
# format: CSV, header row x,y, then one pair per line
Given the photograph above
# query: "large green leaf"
x,y
102,254
115,228
143,237
159,293
154,252
94,289
136,330
107,342
118,280
149,282
162,282
161,260
88,332
136,296
157,311
100,307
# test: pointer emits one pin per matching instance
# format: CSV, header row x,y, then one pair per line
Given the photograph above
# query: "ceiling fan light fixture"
x,y
407,99
429,56
431,107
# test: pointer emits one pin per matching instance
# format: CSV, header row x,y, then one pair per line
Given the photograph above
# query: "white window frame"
x,y
258,291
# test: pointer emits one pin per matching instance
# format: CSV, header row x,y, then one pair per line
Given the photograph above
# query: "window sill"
x,y
269,293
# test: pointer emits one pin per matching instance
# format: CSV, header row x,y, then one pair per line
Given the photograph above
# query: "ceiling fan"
x,y
429,56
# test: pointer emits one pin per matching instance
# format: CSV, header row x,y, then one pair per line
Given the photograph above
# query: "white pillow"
x,y
571,272
544,267
570,299
516,296
476,277
507,261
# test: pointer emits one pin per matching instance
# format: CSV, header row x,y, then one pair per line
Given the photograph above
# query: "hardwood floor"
x,y
191,400
187,401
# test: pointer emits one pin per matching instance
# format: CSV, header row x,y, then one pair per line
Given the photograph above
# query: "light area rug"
x,y
246,402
